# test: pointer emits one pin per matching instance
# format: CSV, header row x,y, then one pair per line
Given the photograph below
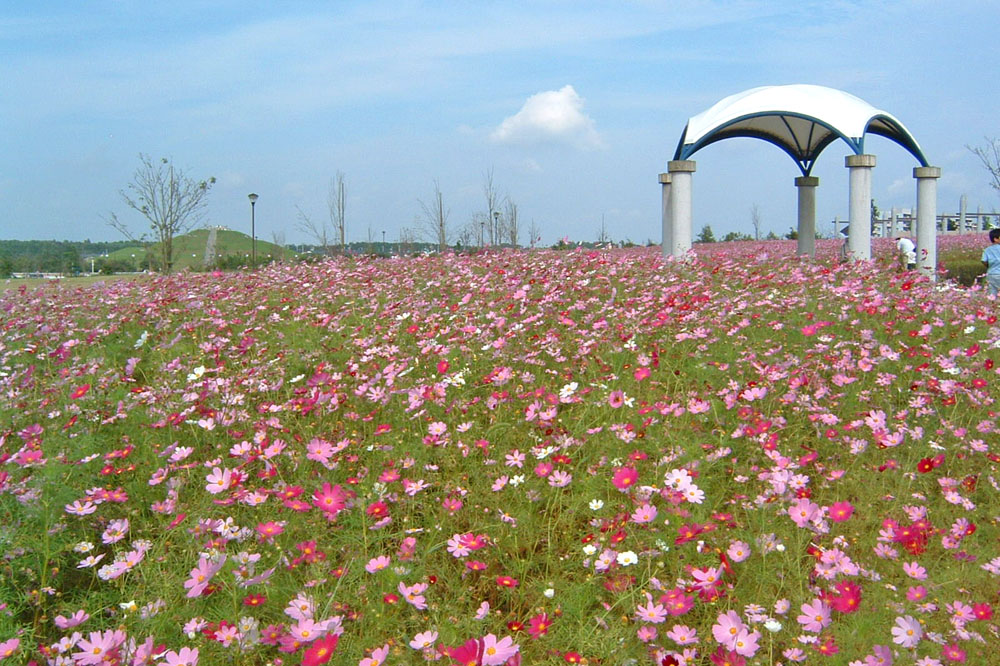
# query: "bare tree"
x,y
336,204
755,220
278,238
989,155
171,201
435,219
407,240
535,232
602,233
319,232
511,222
492,207
332,230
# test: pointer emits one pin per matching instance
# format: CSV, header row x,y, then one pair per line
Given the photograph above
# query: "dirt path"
x,y
210,248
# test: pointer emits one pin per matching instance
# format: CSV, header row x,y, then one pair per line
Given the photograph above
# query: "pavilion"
x,y
802,120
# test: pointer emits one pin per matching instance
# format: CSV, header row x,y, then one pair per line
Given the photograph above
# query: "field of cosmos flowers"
x,y
515,457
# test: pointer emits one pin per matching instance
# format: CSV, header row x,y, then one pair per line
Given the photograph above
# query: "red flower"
x,y
254,600
925,465
539,625
841,511
467,653
80,392
377,509
320,651
724,657
847,599
625,478
953,653
506,581
687,533
572,658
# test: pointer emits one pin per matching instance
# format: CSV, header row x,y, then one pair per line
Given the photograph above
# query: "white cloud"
x,y
553,116
531,166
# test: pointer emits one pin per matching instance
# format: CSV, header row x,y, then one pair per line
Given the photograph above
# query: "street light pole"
x,y
253,231
383,242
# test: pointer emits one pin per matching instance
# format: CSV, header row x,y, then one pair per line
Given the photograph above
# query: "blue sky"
x,y
575,106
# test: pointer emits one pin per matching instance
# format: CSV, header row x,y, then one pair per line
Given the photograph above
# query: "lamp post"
x,y
253,231
496,226
383,242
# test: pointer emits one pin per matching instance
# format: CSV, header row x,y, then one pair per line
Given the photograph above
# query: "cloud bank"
x,y
553,116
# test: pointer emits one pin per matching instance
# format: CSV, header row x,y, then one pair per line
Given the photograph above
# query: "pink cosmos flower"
x,y
73,620
881,656
914,570
219,480
377,563
186,657
98,647
651,612
78,508
414,594
644,514
706,579
497,652
616,399
560,478
738,551
916,593
377,658
267,531
9,647
646,633
802,511
746,642
815,616
726,628
682,635
424,640
907,632
201,575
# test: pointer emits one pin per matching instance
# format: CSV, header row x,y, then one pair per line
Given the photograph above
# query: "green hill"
x,y
189,250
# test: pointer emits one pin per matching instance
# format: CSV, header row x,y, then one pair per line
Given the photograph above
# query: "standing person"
x,y
907,252
991,257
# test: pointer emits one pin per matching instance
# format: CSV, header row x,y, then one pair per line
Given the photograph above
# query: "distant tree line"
x,y
51,256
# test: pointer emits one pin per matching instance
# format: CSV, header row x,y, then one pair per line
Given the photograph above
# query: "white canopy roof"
x,y
800,119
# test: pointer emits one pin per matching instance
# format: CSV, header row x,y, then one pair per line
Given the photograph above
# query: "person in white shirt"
x,y
907,252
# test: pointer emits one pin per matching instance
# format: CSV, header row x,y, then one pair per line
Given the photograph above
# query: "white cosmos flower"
x,y
626,558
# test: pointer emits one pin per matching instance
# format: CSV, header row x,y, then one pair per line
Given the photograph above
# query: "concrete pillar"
x,y
893,231
680,205
927,219
962,204
807,214
859,234
667,238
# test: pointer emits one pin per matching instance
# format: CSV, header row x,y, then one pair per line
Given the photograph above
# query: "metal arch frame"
x,y
803,159
902,137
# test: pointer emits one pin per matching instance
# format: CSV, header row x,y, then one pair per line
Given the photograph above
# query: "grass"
x,y
500,428
189,249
